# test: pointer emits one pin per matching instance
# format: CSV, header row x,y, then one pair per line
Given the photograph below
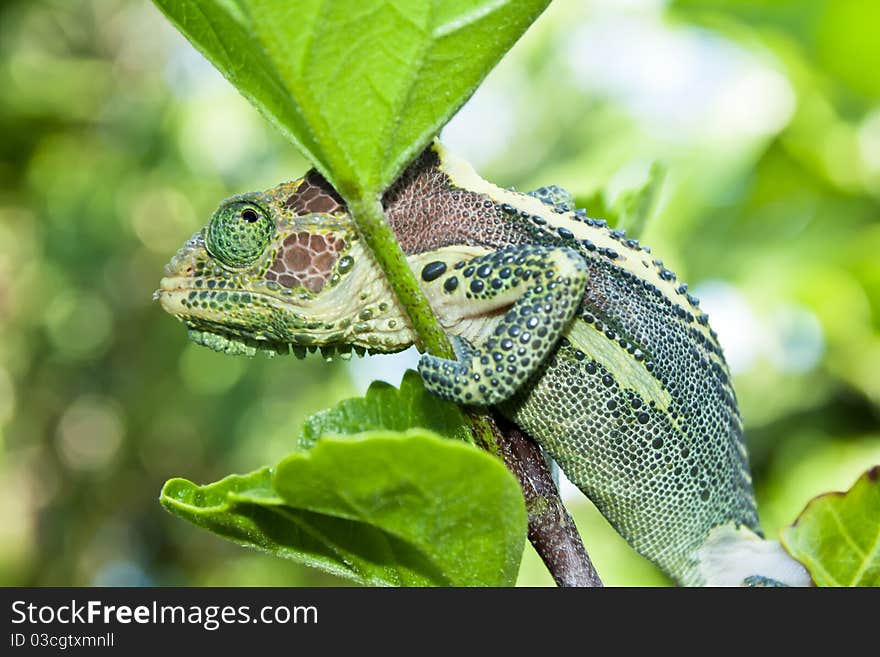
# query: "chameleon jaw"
x,y
216,330
218,339
178,297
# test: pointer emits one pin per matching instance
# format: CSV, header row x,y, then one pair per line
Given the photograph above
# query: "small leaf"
x,y
633,207
386,407
361,86
837,535
597,207
382,508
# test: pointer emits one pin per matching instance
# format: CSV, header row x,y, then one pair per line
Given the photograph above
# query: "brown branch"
x,y
552,531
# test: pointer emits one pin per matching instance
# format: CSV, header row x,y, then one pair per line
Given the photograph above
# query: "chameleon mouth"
x,y
225,340
179,297
175,296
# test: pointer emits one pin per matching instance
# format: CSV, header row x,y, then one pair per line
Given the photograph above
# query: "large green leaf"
x,y
246,509
386,407
454,504
837,536
382,508
361,86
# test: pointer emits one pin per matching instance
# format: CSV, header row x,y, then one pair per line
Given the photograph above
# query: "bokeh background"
x,y
118,141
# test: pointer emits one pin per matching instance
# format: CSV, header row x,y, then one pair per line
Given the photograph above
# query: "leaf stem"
x,y
373,227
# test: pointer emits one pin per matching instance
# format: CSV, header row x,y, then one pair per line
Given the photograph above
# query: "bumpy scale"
x,y
568,327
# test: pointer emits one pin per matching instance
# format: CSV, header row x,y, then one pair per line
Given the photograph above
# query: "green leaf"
x,y
361,86
382,508
837,536
633,207
453,503
386,407
245,509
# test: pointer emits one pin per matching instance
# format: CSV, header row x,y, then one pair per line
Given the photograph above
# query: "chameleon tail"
x,y
739,557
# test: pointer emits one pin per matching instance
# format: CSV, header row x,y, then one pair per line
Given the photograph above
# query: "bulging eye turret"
x,y
239,233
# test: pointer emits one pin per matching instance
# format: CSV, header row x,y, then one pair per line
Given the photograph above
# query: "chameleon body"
x,y
573,331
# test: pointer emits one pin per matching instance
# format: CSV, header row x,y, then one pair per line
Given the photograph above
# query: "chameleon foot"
x,y
540,287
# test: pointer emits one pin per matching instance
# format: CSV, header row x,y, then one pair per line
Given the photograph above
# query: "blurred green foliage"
x,y
118,142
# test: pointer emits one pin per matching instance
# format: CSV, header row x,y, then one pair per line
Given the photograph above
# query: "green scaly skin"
x,y
570,329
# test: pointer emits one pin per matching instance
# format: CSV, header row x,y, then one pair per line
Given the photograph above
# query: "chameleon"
x,y
567,327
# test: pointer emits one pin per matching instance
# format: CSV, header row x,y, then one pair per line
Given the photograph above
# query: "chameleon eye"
x,y
239,233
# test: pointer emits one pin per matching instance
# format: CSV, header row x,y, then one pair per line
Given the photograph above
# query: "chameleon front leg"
x,y
530,291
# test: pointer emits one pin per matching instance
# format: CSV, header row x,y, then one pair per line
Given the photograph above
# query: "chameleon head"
x,y
278,271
